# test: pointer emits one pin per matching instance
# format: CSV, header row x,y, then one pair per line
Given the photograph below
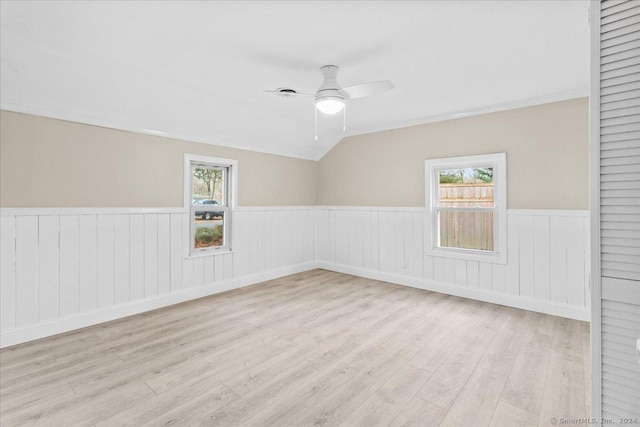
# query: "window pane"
x,y
466,230
462,188
209,229
208,185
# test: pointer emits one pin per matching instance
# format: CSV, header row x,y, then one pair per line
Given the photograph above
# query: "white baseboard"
x,y
516,301
70,323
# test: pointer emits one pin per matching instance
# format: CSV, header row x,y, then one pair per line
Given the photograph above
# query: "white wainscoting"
x,y
64,269
547,268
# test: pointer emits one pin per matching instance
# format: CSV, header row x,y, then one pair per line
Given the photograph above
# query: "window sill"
x,y
207,254
491,258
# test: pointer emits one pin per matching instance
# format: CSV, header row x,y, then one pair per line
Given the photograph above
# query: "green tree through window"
x,y
211,177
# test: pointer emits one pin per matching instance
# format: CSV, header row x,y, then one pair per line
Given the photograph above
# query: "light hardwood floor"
x,y
317,348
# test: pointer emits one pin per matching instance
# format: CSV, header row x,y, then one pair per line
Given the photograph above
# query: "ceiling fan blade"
x,y
287,93
368,89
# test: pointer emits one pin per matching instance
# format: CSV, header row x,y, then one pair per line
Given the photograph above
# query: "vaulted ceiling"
x,y
197,70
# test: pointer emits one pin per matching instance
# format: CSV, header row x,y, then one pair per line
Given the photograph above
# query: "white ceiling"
x,y
197,70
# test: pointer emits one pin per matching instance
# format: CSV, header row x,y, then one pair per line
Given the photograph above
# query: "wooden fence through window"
x,y
470,230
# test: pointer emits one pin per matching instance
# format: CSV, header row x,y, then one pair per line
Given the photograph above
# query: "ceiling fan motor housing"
x,y
330,87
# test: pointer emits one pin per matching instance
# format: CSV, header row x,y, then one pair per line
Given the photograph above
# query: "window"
x,y
466,205
209,196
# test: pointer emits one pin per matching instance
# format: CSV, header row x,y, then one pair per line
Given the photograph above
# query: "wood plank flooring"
x,y
317,348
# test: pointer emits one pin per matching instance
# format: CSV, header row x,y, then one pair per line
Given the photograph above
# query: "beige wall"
x,y
53,163
547,158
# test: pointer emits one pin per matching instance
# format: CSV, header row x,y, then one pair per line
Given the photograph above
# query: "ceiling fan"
x,y
330,98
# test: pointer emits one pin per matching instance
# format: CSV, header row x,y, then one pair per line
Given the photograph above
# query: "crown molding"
x,y
315,155
86,120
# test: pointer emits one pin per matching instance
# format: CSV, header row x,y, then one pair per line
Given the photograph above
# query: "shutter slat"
x,y
627,29
617,16
609,8
635,210
625,250
622,266
626,88
626,193
619,185
620,177
621,376
611,415
615,306
618,145
617,241
617,274
625,119
626,320
624,152
621,382
620,169
625,364
618,352
627,259
626,225
626,338
631,236
624,388
621,160
620,56
614,330
620,342
619,332
620,130
628,160
623,226
605,4
620,40
633,43
621,79
620,112
618,25
626,136
613,218
627,387
627,62
624,404
614,97
631,102
610,411
610,200
621,351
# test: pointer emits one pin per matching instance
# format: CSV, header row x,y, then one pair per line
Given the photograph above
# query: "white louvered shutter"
x,y
619,149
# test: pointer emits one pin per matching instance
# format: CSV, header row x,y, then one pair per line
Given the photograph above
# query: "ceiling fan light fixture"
x,y
330,105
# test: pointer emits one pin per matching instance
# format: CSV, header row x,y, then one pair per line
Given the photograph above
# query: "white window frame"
x,y
497,161
231,203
